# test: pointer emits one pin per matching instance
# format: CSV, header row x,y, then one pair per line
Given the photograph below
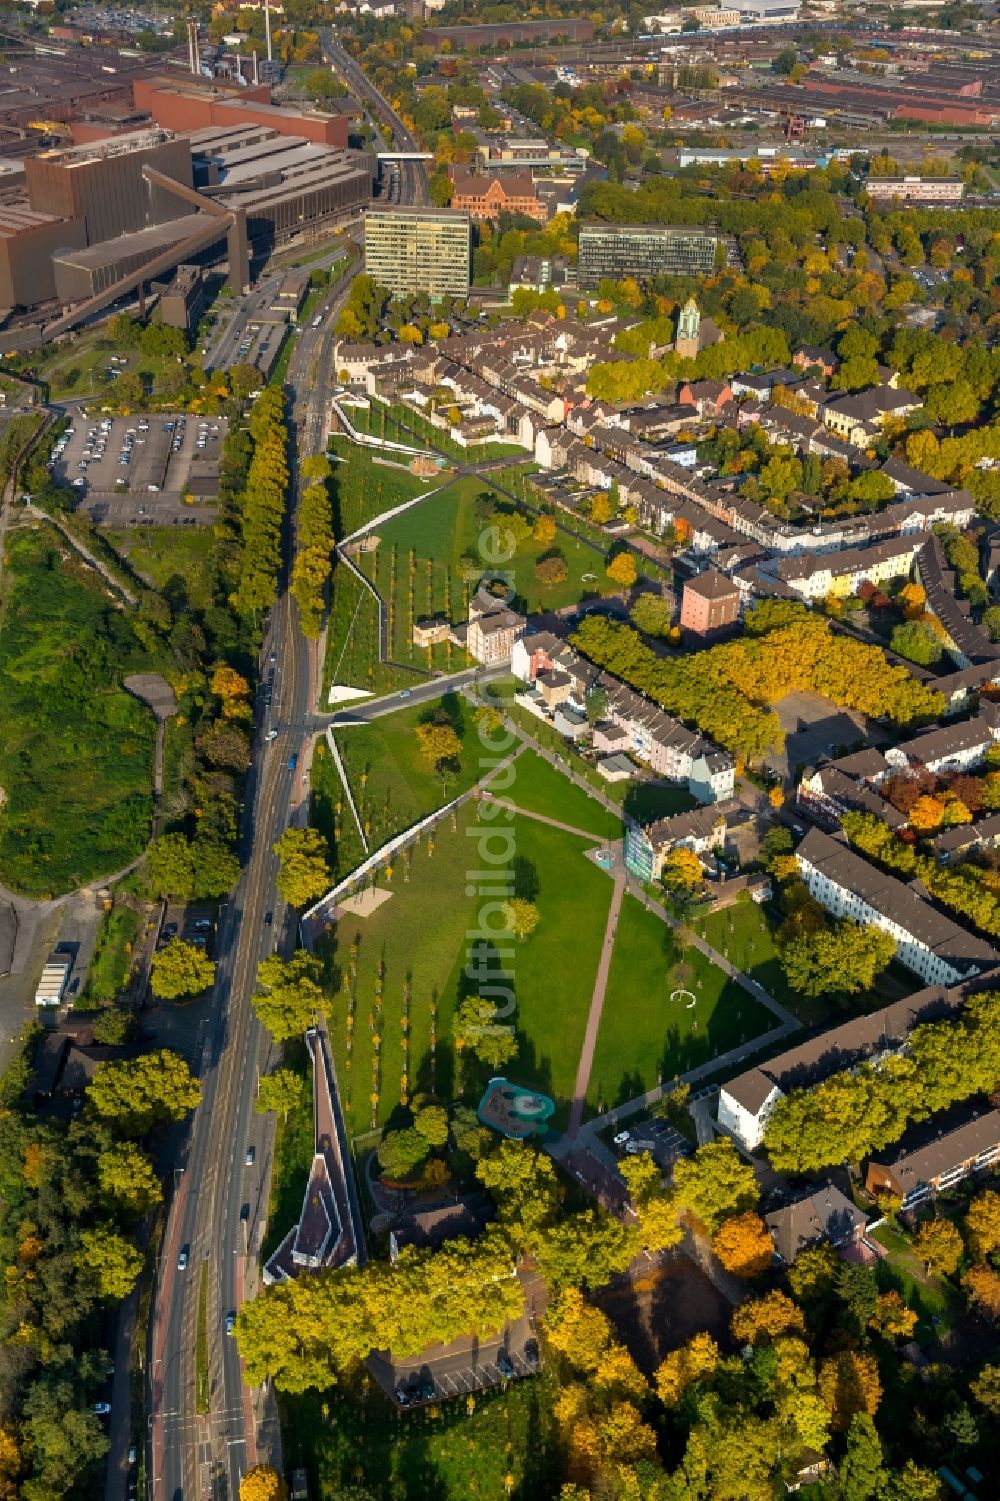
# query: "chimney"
x,y
190,25
256,69
197,49
267,28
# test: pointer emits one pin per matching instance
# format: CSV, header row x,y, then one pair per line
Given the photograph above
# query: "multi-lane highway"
x,y
216,1220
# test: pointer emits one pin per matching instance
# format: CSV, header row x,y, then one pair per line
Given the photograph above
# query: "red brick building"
x,y
485,197
711,603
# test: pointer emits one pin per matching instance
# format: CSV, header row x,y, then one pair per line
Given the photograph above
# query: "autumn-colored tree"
x,y
303,873
262,1483
438,743
622,570
578,1330
600,508
234,690
892,1318
551,570
694,1362
926,814
982,1224
10,1466
544,530
763,1320
985,1389
715,1183
682,869
913,598
939,1246
849,1383
743,1245
127,1177
475,1028
983,1287
137,1092
280,1092
521,917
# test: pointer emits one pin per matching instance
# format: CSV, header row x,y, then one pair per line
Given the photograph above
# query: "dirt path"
x,y
596,1005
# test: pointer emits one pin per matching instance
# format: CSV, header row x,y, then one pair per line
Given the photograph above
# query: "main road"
x,y
414,178
201,1442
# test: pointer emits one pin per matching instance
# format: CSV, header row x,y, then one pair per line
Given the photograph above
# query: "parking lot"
x,y
445,1372
133,471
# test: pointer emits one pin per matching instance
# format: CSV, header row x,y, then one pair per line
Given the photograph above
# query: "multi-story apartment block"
x,y
418,250
930,944
643,251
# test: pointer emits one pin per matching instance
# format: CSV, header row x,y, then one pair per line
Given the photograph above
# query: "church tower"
x,y
688,324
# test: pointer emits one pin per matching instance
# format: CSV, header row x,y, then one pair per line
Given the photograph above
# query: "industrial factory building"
x,y
190,170
286,185
103,183
189,104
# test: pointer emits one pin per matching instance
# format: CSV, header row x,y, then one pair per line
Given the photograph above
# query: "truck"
x,y
293,761
52,985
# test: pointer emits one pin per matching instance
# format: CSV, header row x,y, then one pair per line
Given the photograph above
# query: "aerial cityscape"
x,y
499,751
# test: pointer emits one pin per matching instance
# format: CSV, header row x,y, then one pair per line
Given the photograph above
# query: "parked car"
x,y
505,1365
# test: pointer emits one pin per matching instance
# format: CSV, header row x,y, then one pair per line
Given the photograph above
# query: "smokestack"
x,y
267,28
256,70
190,33
197,50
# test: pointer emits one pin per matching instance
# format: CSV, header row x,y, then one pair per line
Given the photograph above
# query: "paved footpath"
x,y
553,823
596,1007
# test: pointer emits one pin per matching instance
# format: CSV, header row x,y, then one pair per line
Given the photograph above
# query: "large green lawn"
x,y
447,533
743,933
393,784
538,788
643,800
366,485
76,750
418,940
645,1036
450,1454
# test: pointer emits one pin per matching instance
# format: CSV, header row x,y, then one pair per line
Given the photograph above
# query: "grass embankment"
x,y
399,424
76,750
293,1154
393,784
109,968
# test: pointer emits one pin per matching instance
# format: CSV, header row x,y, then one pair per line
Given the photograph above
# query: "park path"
x,y
596,1007
553,823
